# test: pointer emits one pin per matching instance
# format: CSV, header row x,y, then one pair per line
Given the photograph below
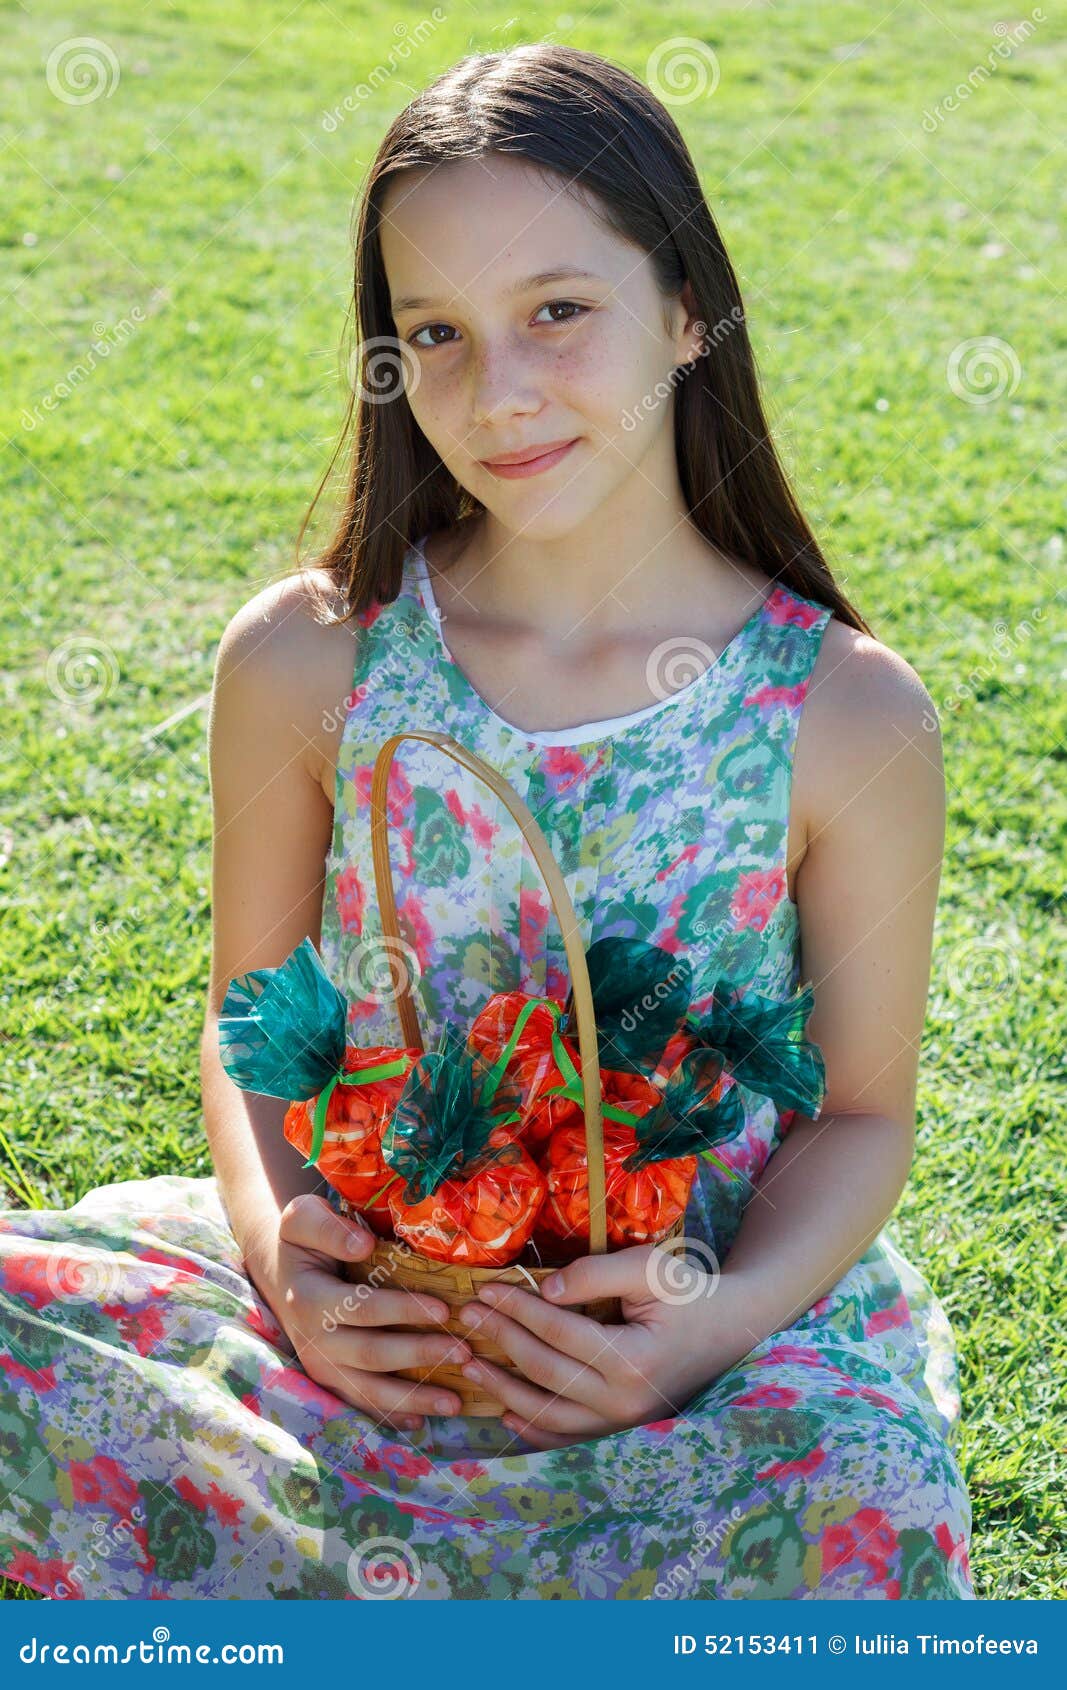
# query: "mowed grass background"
x,y
204,202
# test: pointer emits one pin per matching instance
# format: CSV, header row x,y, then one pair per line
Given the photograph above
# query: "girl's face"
x,y
500,357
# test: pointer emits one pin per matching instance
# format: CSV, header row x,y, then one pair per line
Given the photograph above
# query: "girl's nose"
x,y
502,383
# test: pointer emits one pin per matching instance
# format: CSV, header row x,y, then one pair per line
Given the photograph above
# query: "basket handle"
x,y
565,915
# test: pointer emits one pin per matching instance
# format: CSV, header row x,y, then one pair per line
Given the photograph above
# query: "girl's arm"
x,y
273,827
867,894
271,833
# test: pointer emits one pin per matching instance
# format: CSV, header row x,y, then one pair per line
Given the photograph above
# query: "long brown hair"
x,y
595,125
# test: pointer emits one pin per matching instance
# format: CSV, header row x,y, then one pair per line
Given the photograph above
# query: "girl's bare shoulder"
x,y
867,716
288,652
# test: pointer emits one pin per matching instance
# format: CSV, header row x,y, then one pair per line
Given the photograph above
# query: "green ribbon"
x,y
380,1071
573,1087
575,1091
496,1073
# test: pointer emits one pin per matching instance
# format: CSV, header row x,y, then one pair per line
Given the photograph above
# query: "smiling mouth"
x,y
531,462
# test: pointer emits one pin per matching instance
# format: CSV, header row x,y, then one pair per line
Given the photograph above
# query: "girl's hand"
x,y
339,1329
598,1378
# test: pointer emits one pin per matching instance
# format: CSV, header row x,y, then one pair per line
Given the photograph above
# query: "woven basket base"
x,y
396,1266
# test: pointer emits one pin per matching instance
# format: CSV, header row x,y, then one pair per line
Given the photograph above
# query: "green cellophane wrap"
x,y
686,1122
763,1046
282,1030
641,993
451,1101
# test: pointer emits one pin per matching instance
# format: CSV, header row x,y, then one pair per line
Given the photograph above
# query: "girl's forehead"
x,y
481,226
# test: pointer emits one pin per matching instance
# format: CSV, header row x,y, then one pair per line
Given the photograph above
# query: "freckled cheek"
x,y
596,380
612,370
440,405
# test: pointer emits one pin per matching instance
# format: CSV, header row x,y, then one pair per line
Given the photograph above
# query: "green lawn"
x,y
196,220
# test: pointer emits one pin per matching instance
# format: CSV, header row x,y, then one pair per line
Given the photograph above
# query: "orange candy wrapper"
x,y
350,1157
642,1204
486,1217
523,1032
471,1192
653,1137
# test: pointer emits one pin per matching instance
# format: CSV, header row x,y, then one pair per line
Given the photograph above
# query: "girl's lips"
x,y
532,466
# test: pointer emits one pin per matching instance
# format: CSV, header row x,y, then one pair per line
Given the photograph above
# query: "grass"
x,y
166,486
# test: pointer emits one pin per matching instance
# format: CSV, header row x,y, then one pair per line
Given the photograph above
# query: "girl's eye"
x,y
567,304
413,340
550,305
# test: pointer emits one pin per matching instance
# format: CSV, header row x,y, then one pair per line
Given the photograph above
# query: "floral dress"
x,y
158,1436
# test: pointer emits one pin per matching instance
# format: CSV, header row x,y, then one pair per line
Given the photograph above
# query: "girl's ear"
x,y
688,338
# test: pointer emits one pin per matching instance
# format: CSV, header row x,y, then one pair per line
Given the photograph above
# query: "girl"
x,y
566,540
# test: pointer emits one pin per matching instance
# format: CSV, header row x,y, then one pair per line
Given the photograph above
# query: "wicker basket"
x,y
395,1263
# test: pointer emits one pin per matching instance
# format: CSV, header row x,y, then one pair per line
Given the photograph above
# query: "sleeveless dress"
x,y
158,1436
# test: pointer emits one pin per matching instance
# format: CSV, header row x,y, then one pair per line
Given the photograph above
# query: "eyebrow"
x,y
563,273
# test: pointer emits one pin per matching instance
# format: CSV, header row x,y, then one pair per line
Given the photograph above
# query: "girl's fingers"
x,y
333,1303
621,1273
540,1408
310,1222
397,1308
402,1398
588,1341
385,1352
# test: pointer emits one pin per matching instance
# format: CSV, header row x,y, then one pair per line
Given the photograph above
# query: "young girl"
x,y
567,541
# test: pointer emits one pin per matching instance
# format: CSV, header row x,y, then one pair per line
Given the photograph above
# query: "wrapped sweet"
x,y
652,1141
471,1193
282,1032
640,994
348,1151
520,1033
